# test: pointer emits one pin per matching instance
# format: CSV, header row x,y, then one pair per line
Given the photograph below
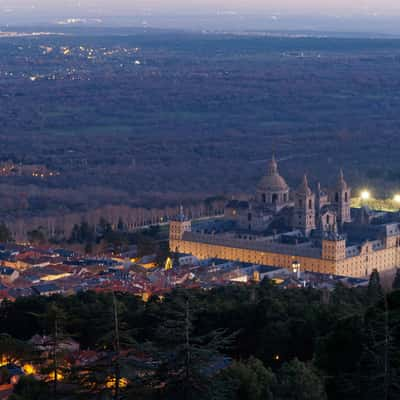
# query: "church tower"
x,y
333,247
318,205
341,200
304,208
177,228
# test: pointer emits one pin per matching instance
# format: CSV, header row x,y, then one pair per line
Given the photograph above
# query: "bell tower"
x,y
304,208
177,227
341,200
333,247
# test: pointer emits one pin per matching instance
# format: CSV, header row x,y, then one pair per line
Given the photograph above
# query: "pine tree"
x,y
188,361
299,381
37,236
5,233
380,361
75,234
56,318
374,292
55,365
110,372
117,349
249,380
104,227
13,350
29,388
120,225
396,281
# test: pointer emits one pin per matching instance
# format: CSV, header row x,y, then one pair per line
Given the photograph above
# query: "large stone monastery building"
x,y
311,226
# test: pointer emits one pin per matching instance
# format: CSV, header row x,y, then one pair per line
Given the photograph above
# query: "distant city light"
x,y
396,198
365,195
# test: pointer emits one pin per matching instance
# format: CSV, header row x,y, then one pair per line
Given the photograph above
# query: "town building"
x,y
8,275
46,289
314,228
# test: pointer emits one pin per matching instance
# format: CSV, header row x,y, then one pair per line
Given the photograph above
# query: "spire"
x,y
305,181
272,166
341,182
181,215
304,188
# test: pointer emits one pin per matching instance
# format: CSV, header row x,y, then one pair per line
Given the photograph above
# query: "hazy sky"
x,y
116,7
380,16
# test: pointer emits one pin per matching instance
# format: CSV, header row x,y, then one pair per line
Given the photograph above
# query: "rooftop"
x,y
304,249
7,271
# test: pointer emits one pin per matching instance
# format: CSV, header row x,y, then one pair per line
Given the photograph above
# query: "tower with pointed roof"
x,y
341,200
333,246
272,191
179,225
304,208
318,204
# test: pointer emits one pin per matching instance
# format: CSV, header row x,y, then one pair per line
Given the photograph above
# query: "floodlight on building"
x,y
365,195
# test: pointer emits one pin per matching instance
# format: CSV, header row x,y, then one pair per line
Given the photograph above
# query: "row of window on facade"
x,y
274,198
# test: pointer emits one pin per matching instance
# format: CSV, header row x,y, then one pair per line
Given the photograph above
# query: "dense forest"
x,y
148,119
252,342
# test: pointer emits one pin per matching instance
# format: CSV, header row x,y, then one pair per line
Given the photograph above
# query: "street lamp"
x,y
396,198
296,268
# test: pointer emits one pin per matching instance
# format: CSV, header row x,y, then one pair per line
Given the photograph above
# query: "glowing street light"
x,y
296,268
396,198
365,195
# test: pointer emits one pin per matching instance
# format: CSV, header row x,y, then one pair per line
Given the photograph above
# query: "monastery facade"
x,y
280,226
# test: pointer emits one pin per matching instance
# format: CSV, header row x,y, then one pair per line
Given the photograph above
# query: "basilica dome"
x,y
272,191
272,182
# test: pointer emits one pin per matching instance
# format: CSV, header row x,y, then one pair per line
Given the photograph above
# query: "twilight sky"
x,y
379,16
116,7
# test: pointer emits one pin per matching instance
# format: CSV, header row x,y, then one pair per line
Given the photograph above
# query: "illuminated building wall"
x,y
331,260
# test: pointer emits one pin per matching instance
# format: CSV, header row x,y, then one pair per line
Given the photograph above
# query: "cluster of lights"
x,y
52,375
43,175
111,382
365,195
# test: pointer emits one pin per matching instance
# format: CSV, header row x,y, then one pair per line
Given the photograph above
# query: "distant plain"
x,y
152,117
